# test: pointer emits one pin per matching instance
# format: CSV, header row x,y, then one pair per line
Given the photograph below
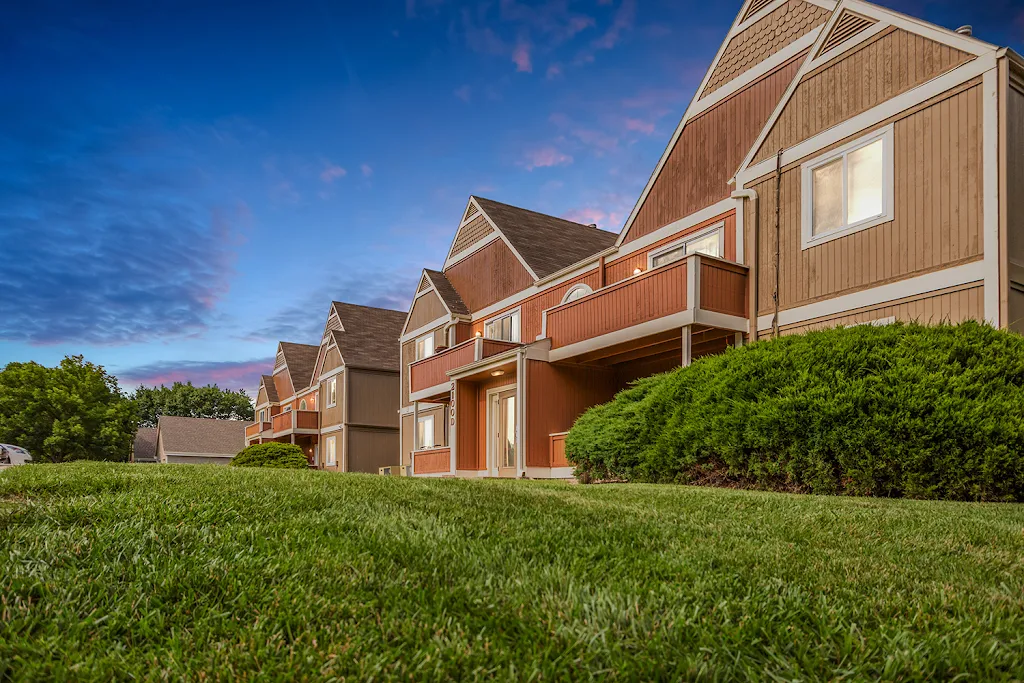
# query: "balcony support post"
x,y
415,435
687,345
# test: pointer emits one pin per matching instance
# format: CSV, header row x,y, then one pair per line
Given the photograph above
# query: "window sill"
x,y
809,242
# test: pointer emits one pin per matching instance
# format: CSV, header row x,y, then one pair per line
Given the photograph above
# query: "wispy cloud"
x,y
645,127
464,93
231,375
332,172
367,170
545,157
623,22
521,57
554,71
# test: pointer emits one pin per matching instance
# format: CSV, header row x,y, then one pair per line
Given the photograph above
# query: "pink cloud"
x,y
367,170
645,127
595,138
227,374
622,23
464,93
331,172
546,157
586,216
521,57
554,71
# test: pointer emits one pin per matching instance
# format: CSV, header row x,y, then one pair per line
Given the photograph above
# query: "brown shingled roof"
x,y
301,360
268,384
447,292
144,448
201,435
546,243
370,337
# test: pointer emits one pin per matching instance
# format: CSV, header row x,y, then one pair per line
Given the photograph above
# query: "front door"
x,y
505,434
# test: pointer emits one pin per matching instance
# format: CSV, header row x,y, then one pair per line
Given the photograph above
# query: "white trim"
x,y
473,248
874,116
435,390
683,241
416,345
875,296
549,473
756,17
990,190
807,240
331,459
575,288
669,322
429,327
849,44
685,223
722,321
424,405
463,222
484,364
517,330
331,373
433,432
199,455
490,457
332,428
331,386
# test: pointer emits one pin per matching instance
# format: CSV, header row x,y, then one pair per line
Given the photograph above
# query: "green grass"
x,y
146,571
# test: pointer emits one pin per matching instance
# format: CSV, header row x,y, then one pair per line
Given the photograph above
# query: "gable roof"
x,y
201,435
144,447
267,382
446,291
301,359
370,336
545,244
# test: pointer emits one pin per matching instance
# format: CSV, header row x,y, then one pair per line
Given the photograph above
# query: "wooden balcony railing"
x,y
296,419
432,460
256,428
433,371
557,450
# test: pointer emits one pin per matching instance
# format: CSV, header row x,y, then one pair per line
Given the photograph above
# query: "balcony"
x,y
428,378
296,421
257,428
432,460
700,291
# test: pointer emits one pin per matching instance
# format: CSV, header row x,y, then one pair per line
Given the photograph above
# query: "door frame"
x,y
490,428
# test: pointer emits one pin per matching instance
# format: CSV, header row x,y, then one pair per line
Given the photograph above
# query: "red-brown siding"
x,y
489,275
723,287
620,269
432,461
432,371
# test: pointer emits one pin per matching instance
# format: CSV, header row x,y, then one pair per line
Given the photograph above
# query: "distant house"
x,y
144,447
198,441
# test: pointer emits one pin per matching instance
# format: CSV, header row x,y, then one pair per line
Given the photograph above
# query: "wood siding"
x,y
503,383
284,385
332,360
767,36
426,309
467,406
434,370
556,396
876,71
723,287
433,461
1015,182
261,396
409,355
709,152
952,305
407,435
333,415
471,233
652,295
370,449
373,398
622,268
489,275
557,456
937,201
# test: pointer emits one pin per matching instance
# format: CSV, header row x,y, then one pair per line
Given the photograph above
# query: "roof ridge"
x,y
590,226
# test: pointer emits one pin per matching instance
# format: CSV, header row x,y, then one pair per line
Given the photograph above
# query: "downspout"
x,y
778,246
754,258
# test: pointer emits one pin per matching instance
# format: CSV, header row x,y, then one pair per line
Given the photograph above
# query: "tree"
x,y
185,400
75,411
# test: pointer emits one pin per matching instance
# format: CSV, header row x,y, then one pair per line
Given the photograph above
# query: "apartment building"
x,y
840,163
338,401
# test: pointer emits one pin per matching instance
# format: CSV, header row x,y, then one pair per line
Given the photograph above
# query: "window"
x,y
331,389
506,327
710,242
425,431
302,404
330,451
425,346
849,189
577,292
263,415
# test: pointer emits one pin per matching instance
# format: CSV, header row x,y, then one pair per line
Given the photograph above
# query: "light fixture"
x,y
637,270
497,373
479,334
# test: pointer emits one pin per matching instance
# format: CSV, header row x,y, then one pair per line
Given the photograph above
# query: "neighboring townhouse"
x,y
338,401
144,445
198,440
895,149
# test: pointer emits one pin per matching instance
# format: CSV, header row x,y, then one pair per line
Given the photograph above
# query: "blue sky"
x,y
183,184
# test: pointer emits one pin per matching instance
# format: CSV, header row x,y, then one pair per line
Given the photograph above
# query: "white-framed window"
x,y
263,415
425,431
425,346
577,292
848,189
710,241
302,404
331,451
504,327
331,389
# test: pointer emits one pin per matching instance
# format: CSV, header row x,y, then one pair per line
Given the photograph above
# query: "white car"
x,y
13,455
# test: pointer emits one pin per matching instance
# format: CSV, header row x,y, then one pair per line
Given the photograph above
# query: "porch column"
x,y
293,438
415,435
687,346
738,340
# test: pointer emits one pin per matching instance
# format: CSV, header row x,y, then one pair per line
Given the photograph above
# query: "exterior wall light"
x,y
637,270
497,373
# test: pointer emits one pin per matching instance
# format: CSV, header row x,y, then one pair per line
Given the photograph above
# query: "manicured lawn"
x,y
147,571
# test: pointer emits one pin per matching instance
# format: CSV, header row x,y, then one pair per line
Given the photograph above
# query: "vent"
x,y
333,323
470,212
755,7
848,25
280,360
424,283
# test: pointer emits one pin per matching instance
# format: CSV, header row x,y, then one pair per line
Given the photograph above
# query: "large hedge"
x,y
273,454
897,410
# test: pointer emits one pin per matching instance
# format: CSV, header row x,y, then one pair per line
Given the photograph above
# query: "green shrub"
x,y
274,454
897,410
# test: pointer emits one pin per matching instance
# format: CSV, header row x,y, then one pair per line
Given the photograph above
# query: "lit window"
x,y
302,404
331,451
849,189
331,388
425,431
505,328
710,242
425,346
577,292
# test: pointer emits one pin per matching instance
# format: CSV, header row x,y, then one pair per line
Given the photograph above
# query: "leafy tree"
x,y
75,411
185,400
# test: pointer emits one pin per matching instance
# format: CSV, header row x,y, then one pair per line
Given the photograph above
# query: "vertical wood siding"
x,y
558,458
556,396
1015,175
531,314
374,398
333,415
432,371
332,359
782,27
409,355
489,275
371,449
433,461
426,309
723,287
622,268
284,385
876,71
937,222
307,419
709,151
467,454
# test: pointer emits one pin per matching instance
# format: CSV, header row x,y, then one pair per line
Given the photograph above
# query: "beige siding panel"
x,y
1016,310
261,397
1015,177
334,415
407,426
332,360
373,398
769,35
426,309
952,305
473,232
927,232
876,71
370,449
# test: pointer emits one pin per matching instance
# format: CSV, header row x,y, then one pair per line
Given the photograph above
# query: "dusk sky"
x,y
183,184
